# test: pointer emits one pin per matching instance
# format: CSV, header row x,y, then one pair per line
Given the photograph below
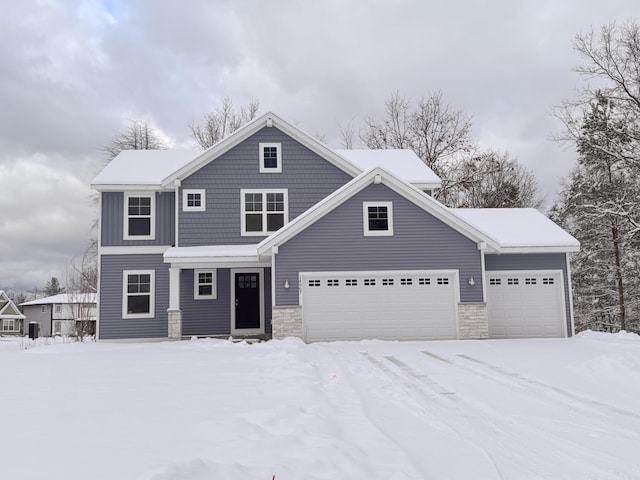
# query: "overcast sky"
x,y
74,73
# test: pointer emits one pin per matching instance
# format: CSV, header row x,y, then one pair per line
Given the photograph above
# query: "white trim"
x,y
134,250
482,246
264,212
232,280
99,266
152,219
541,249
194,191
174,288
196,284
570,293
125,293
250,129
131,188
411,193
365,219
176,198
13,322
278,147
549,272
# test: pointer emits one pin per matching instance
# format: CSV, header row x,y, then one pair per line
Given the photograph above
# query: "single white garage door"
x,y
410,305
525,304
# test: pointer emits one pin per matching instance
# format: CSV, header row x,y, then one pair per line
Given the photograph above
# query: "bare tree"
x,y
81,278
490,180
347,134
139,135
434,130
223,121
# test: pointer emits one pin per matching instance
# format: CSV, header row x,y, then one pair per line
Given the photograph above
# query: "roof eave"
x,y
540,249
121,187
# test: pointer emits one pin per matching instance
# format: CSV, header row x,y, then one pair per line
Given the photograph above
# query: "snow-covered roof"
x,y
519,229
142,168
8,309
404,164
63,298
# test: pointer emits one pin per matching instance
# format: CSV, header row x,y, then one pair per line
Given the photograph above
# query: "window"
x,y
138,294
139,217
424,281
270,158
387,282
194,200
548,281
333,283
406,281
495,281
351,282
377,218
442,281
205,284
369,282
263,211
43,309
8,325
314,283
58,308
529,281
512,281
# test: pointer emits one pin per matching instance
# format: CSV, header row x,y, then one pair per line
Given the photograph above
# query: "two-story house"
x,y
65,314
271,233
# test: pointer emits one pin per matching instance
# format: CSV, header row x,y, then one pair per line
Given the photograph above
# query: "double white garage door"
x,y
414,305
422,305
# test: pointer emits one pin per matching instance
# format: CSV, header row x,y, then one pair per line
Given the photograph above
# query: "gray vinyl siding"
x,y
112,220
213,317
34,313
112,325
308,177
534,261
336,243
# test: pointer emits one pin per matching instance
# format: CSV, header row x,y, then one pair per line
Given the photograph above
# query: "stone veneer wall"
x,y
473,323
175,324
286,321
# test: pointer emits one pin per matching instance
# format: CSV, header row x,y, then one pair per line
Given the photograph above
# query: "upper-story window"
x,y
194,200
139,216
377,218
270,158
58,308
263,211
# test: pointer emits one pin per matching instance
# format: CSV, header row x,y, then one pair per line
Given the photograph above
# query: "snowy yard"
x,y
206,409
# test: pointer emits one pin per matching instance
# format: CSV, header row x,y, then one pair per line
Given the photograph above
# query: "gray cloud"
x,y
73,73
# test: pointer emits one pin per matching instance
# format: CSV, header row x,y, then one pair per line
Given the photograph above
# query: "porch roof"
x,y
215,255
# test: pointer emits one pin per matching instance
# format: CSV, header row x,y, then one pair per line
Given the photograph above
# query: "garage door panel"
x,y
383,305
525,304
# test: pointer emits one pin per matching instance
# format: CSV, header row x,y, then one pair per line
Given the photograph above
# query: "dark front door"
x,y
247,300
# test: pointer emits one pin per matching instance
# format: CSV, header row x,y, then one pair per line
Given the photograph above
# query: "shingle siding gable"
x,y
308,178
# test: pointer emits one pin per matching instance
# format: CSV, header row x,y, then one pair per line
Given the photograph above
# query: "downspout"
x,y
177,221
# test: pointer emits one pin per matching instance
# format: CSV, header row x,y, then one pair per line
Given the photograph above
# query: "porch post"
x,y
174,312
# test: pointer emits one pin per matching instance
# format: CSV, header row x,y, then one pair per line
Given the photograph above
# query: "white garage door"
x,y
410,305
525,304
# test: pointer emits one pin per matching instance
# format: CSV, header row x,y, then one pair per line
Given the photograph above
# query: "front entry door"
x,y
247,300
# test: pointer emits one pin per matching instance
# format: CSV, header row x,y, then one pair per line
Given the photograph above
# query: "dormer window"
x,y
377,218
270,158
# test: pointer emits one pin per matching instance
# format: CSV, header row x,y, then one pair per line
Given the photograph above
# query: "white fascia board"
x,y
129,188
427,186
213,262
541,249
269,120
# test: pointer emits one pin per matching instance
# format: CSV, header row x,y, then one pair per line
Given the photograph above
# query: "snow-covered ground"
x,y
207,409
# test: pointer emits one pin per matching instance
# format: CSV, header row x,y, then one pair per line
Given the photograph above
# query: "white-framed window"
x,y
194,200
58,308
205,284
43,309
139,216
263,211
377,218
8,325
138,293
270,158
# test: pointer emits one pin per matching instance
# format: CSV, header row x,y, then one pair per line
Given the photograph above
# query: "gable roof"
x,y
403,163
64,298
376,175
268,120
520,230
8,309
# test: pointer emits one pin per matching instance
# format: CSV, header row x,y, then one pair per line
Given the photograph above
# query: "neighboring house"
x,y
63,314
270,233
10,317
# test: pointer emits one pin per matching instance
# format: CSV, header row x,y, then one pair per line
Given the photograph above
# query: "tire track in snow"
x,y
488,426
511,378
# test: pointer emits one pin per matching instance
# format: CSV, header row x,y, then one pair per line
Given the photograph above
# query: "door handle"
x,y
236,302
